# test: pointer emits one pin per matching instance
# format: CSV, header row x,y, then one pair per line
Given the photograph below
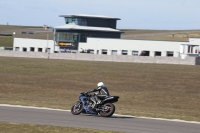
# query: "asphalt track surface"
x,y
129,124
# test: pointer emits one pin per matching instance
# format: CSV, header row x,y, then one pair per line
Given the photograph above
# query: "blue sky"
x,y
134,14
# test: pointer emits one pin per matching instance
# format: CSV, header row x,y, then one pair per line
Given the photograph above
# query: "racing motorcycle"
x,y
105,108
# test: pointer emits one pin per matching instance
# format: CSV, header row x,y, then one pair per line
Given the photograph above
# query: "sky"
x,y
134,14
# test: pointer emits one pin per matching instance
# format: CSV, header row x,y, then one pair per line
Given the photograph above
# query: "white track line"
x,y
32,107
45,108
163,119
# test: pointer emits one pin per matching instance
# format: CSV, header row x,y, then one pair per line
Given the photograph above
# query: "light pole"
x,y
13,41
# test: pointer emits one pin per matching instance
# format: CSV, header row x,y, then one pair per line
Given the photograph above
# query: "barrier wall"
x,y
111,58
197,61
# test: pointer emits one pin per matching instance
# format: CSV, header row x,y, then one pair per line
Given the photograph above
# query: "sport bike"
x,y
86,101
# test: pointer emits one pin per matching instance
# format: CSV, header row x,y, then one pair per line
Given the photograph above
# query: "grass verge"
x,y
152,90
31,128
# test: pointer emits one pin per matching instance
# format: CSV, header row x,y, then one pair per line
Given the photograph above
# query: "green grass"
x,y
31,128
153,90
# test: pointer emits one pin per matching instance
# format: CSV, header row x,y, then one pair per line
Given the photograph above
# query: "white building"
x,y
116,46
34,45
98,35
140,47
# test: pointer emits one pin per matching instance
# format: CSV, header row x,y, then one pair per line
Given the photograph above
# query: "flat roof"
x,y
88,28
88,16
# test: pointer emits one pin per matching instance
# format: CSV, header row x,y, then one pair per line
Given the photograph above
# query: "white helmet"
x,y
100,84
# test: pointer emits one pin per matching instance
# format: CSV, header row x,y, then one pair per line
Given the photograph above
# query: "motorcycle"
x,y
105,108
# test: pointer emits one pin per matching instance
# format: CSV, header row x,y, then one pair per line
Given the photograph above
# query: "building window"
x,y
75,37
83,37
189,49
66,36
114,52
170,53
145,53
32,49
135,53
196,49
157,53
48,50
90,51
73,20
124,52
68,20
104,51
16,48
24,49
84,22
39,49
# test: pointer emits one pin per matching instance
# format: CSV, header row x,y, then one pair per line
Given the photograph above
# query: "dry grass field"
x,y
162,35
14,27
31,128
38,33
153,90
6,41
41,33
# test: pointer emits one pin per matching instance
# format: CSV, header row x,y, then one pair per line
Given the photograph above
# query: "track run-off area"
x,y
126,123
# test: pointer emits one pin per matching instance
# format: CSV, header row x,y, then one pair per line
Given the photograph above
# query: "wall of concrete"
x,y
111,58
198,61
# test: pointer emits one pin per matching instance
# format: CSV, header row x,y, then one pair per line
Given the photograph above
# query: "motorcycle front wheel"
x,y
108,110
77,108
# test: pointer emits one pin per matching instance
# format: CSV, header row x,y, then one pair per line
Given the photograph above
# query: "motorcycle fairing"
x,y
83,100
110,99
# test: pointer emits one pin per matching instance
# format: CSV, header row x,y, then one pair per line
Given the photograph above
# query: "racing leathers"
x,y
103,92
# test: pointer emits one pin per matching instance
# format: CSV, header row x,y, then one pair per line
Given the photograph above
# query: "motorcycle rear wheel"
x,y
77,108
110,110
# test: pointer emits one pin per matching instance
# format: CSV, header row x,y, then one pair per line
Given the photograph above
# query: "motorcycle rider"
x,y
103,92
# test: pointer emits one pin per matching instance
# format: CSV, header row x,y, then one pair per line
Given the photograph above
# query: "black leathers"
x,y
102,91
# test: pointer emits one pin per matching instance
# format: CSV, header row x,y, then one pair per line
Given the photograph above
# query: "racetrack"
x,y
45,116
